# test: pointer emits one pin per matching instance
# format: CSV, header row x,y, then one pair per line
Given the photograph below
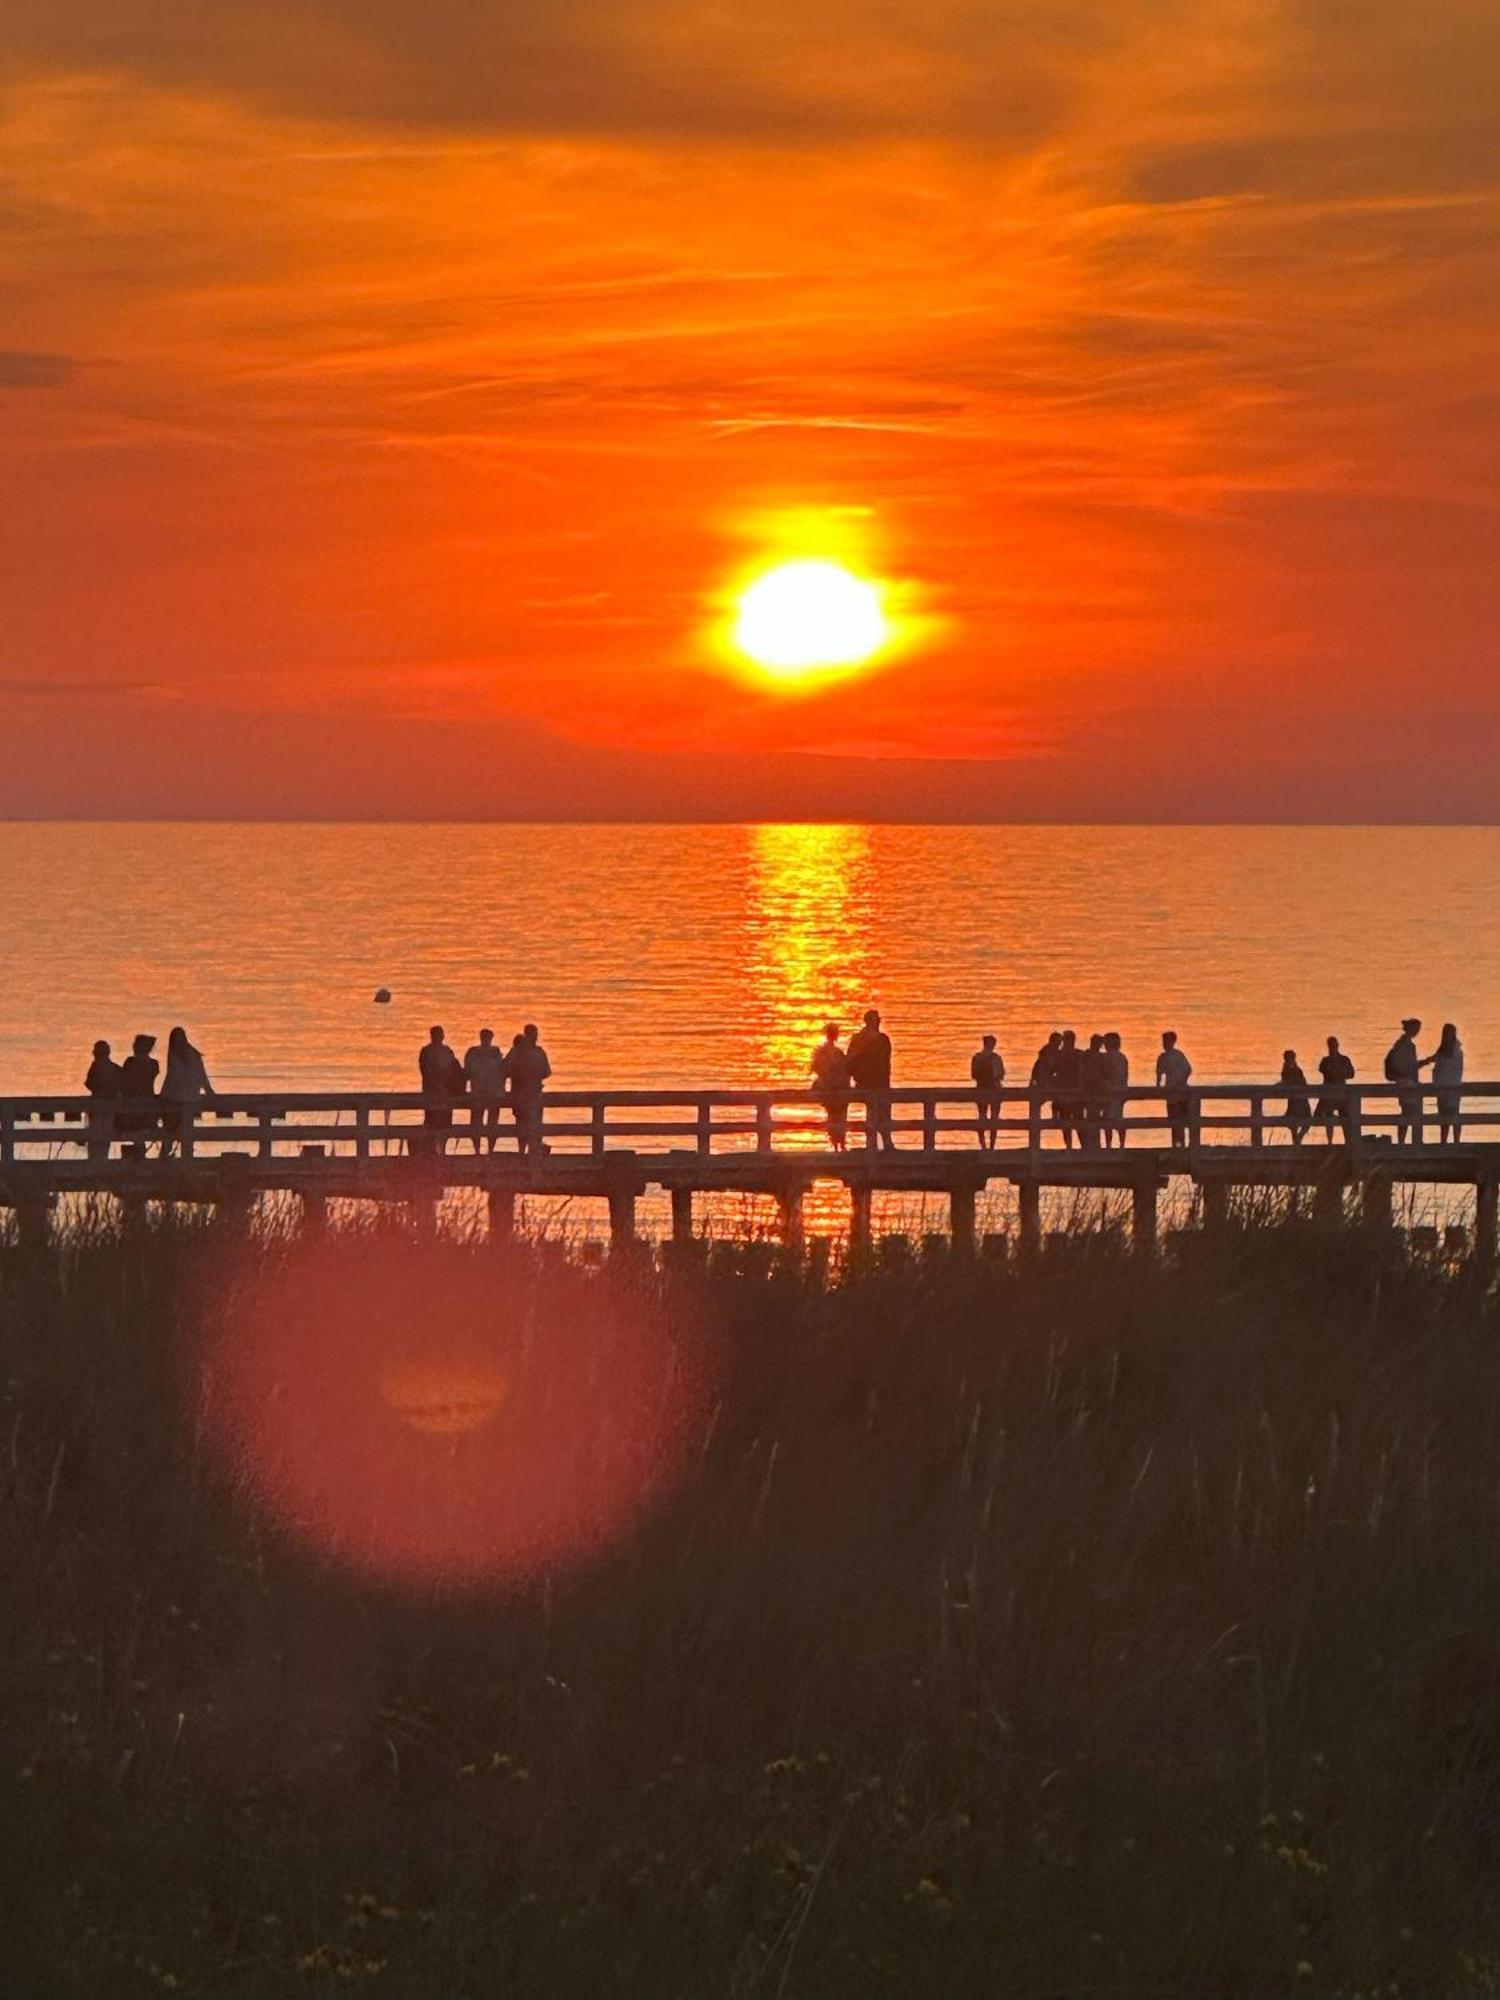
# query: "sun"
x,y
806,618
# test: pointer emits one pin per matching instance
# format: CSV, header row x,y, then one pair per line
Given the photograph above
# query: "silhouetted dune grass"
x,y
1088,1626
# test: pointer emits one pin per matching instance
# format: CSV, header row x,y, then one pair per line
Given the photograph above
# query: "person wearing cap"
x,y
1403,1067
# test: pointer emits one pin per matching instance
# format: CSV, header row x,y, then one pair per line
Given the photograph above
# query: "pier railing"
x,y
359,1127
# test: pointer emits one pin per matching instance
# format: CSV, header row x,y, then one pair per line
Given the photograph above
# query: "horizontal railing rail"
x,y
368,1126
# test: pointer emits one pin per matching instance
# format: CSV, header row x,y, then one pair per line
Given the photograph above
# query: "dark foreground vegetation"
x,y
1089,1628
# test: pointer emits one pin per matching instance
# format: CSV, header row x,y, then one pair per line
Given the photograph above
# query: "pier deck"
x,y
613,1147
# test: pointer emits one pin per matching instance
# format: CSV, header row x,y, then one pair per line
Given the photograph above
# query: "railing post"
x,y
1353,1121
596,1126
1195,1120
7,1135
763,1125
263,1124
929,1124
1258,1119
705,1127
362,1133
1034,1127
961,1214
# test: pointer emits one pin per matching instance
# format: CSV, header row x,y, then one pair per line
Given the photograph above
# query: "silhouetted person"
x,y
1116,1083
1403,1068
1043,1070
528,1069
1067,1085
1095,1104
442,1082
1448,1074
185,1082
103,1083
1173,1071
988,1071
1337,1073
1298,1110
830,1074
869,1057
138,1074
484,1072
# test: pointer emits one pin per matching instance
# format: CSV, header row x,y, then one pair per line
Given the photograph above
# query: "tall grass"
x,y
1085,1626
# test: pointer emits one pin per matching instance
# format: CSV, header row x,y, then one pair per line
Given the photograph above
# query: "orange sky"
x,y
387,394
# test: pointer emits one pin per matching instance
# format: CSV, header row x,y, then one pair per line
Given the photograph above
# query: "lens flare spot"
x,y
431,1418
444,1399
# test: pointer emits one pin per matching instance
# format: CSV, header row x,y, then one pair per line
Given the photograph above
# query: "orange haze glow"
x,y
422,384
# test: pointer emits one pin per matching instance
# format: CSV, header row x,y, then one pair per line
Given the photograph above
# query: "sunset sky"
x,y
392,397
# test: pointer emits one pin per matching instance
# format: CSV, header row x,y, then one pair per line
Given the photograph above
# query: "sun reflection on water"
x,y
809,962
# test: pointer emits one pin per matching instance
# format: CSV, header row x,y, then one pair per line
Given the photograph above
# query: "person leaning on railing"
x,y
1173,1071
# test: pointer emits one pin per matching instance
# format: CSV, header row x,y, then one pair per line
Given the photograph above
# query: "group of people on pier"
x,y
127,1104
489,1077
1086,1086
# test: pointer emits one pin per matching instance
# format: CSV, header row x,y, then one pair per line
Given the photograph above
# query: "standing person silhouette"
x,y
1116,1071
185,1082
830,1074
869,1057
1172,1073
442,1081
1044,1071
1403,1068
988,1071
1337,1073
1095,1106
1067,1085
138,1074
1298,1110
528,1069
1448,1074
484,1072
103,1083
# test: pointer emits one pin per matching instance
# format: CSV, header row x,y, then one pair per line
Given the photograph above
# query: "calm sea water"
x,y
654,955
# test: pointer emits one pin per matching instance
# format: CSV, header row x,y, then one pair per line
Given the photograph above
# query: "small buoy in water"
x,y
383,997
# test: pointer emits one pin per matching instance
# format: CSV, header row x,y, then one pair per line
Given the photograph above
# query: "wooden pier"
x,y
612,1147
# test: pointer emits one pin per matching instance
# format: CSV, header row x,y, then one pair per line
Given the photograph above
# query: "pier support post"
x,y
1487,1223
1030,1197
861,1207
1328,1197
961,1209
34,1223
1376,1206
1143,1216
314,1204
501,1206
1215,1200
235,1196
789,1201
682,1215
622,1216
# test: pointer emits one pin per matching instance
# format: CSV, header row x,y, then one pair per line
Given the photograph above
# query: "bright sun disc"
x,y
806,615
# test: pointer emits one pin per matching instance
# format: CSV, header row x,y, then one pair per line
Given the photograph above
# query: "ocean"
x,y
711,955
